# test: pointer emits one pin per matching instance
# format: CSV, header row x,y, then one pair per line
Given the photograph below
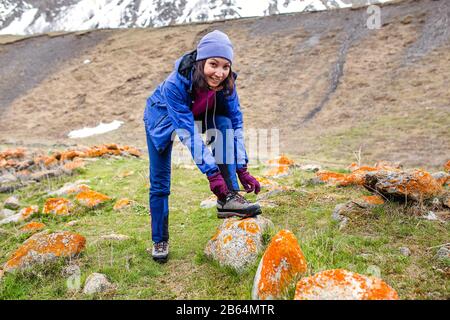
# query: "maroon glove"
x,y
248,182
218,185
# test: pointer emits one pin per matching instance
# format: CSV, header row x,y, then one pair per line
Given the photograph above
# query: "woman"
x,y
200,91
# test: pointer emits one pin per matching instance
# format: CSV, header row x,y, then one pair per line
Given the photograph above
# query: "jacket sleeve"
x,y
183,122
235,115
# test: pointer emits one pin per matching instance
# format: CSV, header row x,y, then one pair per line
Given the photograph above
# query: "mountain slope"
x,y
330,85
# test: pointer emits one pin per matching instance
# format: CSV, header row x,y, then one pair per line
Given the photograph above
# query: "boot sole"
x,y
160,260
228,214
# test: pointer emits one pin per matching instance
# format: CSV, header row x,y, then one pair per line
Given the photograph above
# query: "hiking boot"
x,y
160,251
236,205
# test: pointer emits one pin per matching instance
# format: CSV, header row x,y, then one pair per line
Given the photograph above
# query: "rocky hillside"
x,y
331,85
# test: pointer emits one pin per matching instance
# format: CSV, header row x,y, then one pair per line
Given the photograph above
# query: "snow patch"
x,y
101,128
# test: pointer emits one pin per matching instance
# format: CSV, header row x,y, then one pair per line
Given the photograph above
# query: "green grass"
x,y
371,240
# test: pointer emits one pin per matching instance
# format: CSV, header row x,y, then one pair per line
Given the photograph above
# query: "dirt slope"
x,y
331,85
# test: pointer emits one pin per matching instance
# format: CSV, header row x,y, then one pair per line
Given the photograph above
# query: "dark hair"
x,y
200,82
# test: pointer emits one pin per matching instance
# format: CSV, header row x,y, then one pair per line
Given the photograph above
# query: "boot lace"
x,y
235,195
161,247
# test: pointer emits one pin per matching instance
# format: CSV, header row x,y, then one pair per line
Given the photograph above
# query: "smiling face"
x,y
216,70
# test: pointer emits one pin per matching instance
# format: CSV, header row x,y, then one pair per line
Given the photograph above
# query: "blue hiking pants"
x,y
159,171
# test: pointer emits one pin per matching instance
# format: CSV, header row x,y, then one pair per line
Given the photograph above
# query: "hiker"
x,y
198,96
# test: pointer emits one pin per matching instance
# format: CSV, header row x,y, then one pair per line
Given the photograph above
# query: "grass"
x,y
369,244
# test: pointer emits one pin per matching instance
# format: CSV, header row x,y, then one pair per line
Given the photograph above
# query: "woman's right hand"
x,y
218,185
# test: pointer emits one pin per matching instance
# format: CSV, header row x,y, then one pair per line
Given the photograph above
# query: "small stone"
x,y
441,177
70,269
115,237
12,203
209,202
267,204
443,253
23,215
311,167
274,190
122,204
98,283
72,223
405,251
5,213
7,177
71,188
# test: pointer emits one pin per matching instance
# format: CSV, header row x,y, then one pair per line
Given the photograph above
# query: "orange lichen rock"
x,y
50,161
282,262
339,284
12,154
442,177
131,150
91,198
42,247
28,212
375,199
330,177
23,215
278,171
77,189
33,227
122,203
416,185
57,206
357,177
279,166
237,242
6,164
78,163
264,182
70,155
447,166
282,160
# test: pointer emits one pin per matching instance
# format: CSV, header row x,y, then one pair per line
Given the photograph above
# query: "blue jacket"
x,y
168,112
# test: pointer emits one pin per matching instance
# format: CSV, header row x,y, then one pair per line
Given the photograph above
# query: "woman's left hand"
x,y
249,182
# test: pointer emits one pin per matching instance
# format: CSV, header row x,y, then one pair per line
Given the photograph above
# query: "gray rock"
x,y
7,177
63,191
208,203
98,283
115,237
12,203
443,253
340,213
70,269
72,223
38,176
310,167
405,251
441,176
5,213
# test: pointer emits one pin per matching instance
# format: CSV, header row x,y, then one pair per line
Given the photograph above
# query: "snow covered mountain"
x,y
24,17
